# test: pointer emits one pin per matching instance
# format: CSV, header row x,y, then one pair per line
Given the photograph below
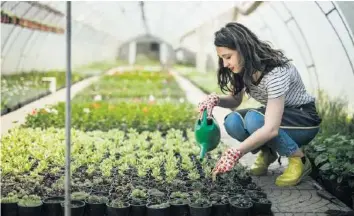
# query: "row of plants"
x,y
332,150
134,84
127,172
124,115
22,88
146,101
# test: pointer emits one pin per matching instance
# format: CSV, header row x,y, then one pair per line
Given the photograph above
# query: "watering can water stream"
x,y
207,134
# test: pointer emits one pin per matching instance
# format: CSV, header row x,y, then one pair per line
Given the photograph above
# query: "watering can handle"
x,y
204,116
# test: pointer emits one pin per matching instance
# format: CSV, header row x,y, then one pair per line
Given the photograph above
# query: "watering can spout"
x,y
203,151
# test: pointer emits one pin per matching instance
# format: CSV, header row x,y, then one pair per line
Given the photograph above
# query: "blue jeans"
x,y
290,138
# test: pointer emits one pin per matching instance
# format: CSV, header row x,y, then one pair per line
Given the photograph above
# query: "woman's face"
x,y
231,58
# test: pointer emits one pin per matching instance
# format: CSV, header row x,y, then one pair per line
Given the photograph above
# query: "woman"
x,y
287,121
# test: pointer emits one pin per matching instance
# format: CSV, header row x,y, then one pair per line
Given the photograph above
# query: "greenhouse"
x,y
181,108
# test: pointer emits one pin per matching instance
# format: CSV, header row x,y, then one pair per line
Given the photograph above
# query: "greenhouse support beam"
x,y
45,7
68,109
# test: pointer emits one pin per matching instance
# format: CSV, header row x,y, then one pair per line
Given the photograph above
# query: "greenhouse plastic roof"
x,y
126,20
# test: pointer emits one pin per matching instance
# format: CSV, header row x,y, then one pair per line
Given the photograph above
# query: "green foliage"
x,y
117,101
135,86
335,116
79,195
10,198
30,201
139,194
103,116
116,203
333,154
178,194
94,199
17,88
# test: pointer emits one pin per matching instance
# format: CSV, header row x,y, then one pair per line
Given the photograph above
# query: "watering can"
x,y
207,134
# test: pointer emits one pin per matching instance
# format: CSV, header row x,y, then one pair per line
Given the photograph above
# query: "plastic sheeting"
x,y
98,28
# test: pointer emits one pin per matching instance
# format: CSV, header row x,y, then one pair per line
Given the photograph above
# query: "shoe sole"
x,y
306,173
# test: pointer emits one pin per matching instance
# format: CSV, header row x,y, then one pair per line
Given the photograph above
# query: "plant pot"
x,y
220,209
261,206
77,207
138,209
30,210
9,209
112,211
163,211
179,209
240,206
343,194
196,210
95,209
52,207
327,184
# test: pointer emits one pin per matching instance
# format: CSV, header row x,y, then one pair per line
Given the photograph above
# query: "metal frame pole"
x,y
68,109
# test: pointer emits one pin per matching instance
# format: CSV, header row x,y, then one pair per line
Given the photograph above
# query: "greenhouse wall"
x,y
25,49
316,35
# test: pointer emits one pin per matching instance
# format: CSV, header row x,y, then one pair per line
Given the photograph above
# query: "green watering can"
x,y
207,134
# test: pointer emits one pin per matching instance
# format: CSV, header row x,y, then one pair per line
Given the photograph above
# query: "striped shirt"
x,y
282,81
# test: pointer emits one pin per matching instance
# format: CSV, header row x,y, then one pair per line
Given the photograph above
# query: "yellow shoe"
x,y
264,159
294,173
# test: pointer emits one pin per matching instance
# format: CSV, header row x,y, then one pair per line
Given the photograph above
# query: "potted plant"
x,y
30,205
200,207
118,208
138,201
220,204
179,202
51,206
156,196
240,206
158,209
9,205
96,205
77,207
261,206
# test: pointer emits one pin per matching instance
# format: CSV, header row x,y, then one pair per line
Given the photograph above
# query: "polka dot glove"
x,y
209,103
227,161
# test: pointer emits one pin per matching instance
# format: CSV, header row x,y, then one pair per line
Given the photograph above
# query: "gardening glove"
x,y
227,161
209,103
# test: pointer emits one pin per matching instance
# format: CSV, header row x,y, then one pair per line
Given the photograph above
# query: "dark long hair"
x,y
255,55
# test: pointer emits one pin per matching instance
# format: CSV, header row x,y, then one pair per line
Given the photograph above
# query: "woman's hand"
x,y
227,161
209,103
